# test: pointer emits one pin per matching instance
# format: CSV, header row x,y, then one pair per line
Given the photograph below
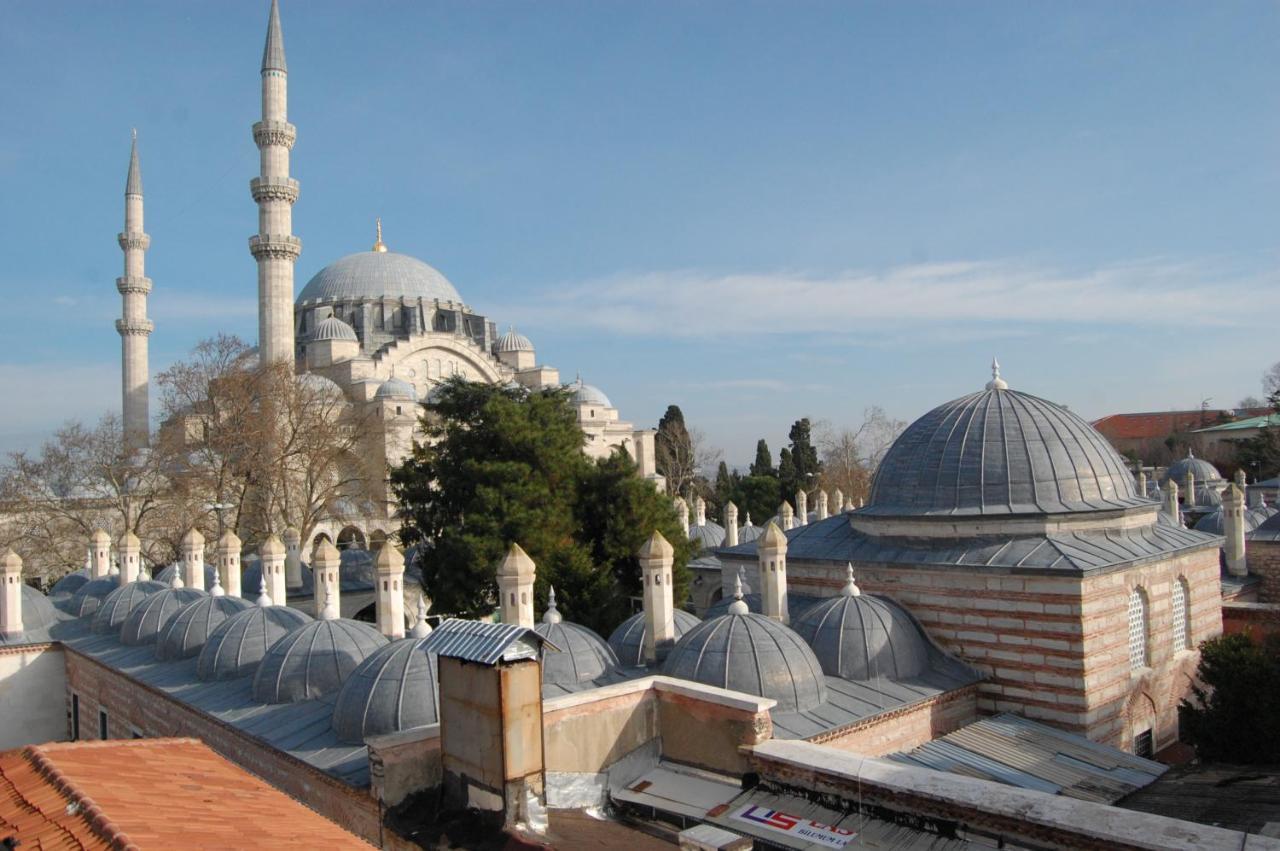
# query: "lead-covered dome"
x,y
627,640
333,328
152,614
394,388
513,341
117,605
1198,467
1000,452
583,655
188,630
392,690
376,275
238,644
860,637
38,611
313,661
69,584
582,393
89,596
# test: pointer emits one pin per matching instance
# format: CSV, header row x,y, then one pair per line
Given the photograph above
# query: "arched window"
x,y
1181,615
1139,650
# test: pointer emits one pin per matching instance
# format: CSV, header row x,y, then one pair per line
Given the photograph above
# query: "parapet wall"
x,y
33,687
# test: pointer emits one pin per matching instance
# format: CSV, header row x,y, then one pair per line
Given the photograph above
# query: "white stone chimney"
x,y
656,558
1142,482
388,570
1189,497
699,511
682,511
292,559
802,508
787,516
229,563
515,587
325,568
771,550
130,550
837,500
100,550
730,525
1233,528
1171,503
820,505
10,595
272,558
192,566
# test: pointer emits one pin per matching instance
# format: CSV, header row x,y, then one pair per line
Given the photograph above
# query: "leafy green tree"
x,y
788,479
723,490
673,451
763,465
1234,713
1261,454
757,496
804,455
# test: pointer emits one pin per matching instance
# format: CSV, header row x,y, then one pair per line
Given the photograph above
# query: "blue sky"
x,y
757,211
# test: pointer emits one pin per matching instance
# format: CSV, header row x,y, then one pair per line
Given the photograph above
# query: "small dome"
x,y
166,576
583,655
116,606
1200,468
512,341
313,660
238,644
69,584
753,654
89,596
861,637
377,275
709,535
318,384
1253,518
748,532
394,388
588,394
333,328
627,640
392,690
1208,496
38,611
152,614
188,631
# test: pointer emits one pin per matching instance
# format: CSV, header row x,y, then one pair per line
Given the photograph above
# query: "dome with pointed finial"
x,y
394,388
116,606
186,633
333,328
89,596
1198,467
582,393
313,660
512,341
748,531
627,640
377,275
238,644
151,615
583,655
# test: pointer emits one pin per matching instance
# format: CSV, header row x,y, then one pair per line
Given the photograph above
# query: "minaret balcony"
x,y
140,328
274,189
275,246
134,239
133,284
274,133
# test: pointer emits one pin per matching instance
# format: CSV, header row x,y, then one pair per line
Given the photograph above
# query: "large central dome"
x,y
1000,452
376,275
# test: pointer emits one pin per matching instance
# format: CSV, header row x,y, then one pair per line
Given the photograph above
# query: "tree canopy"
x,y
1234,713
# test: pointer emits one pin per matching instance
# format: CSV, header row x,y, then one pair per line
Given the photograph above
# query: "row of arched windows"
x,y
1140,623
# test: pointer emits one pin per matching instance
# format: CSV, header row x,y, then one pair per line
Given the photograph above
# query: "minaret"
x,y
133,325
275,247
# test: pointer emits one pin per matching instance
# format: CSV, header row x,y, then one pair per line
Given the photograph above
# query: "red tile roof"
x,y
149,793
1160,424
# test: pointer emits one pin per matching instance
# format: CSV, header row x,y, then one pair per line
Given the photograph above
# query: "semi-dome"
x,y
38,611
583,655
376,275
859,637
1198,467
238,644
89,596
69,584
333,328
513,341
392,690
588,394
1000,452
188,630
750,653
313,660
394,388
117,605
627,640
152,614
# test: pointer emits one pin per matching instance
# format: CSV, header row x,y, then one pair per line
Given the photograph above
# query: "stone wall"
x,y
33,685
403,763
1259,621
1264,562
906,727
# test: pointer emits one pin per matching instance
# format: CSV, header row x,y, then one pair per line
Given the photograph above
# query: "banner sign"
x,y
795,826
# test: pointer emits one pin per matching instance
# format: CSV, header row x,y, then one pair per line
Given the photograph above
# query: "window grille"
x,y
1181,627
1138,656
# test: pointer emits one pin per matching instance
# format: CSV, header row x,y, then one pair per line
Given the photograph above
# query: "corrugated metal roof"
x,y
1030,755
483,643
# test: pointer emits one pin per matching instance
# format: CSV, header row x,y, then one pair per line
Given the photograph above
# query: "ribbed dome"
x,y
69,584
627,640
588,394
375,275
392,690
38,611
748,532
1253,518
116,606
89,596
513,341
583,655
313,660
238,644
333,328
753,654
394,388
188,631
709,535
150,616
1200,468
166,576
861,637
1000,452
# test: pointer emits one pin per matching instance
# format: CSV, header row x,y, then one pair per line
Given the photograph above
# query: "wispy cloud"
x,y
691,303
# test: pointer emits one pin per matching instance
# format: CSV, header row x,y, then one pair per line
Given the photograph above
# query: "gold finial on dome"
x,y
380,246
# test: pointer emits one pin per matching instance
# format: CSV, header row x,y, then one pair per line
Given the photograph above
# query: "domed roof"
x,y
588,394
313,660
710,535
748,531
38,611
70,583
859,637
1253,518
166,576
394,388
583,655
333,328
375,275
392,690
152,614
753,654
797,605
187,632
89,596
116,606
238,644
318,384
513,341
1000,452
1200,468
627,640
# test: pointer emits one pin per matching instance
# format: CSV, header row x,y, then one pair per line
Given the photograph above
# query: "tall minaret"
x,y
275,247
133,325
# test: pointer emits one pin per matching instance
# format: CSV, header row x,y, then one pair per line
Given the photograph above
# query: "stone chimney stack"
x,y
700,511
730,525
1189,497
787,516
229,563
10,595
515,587
193,559
326,563
802,508
100,554
682,511
130,550
656,558
820,505
1142,482
1242,480
388,569
292,560
837,501
1233,527
771,551
272,558
1171,509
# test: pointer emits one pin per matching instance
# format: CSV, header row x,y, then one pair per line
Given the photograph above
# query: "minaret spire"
x,y
275,247
133,325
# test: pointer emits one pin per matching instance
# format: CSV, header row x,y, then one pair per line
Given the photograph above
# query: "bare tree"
x,y
1271,379
850,456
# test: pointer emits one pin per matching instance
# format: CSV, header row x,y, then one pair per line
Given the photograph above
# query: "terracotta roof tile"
x,y
1158,425
149,793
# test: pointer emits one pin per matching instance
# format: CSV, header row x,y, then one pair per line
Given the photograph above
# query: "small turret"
x,y
802,508
272,556
326,564
515,587
388,570
292,559
1233,549
771,550
730,525
229,546
192,559
100,554
130,550
10,595
820,505
656,559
